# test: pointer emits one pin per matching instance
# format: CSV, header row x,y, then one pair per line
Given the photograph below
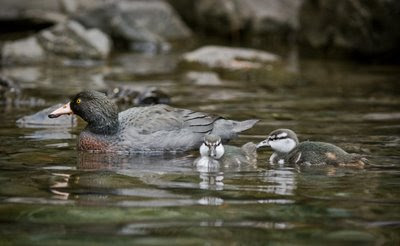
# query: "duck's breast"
x,y
92,142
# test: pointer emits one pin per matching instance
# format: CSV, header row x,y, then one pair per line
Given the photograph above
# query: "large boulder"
x,y
233,16
146,25
366,28
69,40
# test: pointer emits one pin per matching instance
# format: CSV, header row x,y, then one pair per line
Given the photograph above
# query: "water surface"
x,y
50,194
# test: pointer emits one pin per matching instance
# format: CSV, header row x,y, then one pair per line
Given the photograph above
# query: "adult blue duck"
x,y
151,129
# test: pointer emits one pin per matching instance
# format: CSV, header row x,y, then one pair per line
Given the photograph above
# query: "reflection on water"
x,y
211,180
51,194
50,134
60,184
281,181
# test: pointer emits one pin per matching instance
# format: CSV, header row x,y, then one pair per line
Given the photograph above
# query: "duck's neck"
x,y
103,125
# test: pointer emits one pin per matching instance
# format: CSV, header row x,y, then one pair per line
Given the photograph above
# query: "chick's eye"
x,y
78,101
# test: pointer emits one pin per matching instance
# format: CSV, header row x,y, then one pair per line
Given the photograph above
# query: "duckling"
x,y
213,153
288,150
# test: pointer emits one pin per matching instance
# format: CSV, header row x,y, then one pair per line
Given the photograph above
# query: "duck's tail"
x,y
240,126
355,161
228,129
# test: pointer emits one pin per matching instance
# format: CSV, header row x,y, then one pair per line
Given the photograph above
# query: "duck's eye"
x,y
78,101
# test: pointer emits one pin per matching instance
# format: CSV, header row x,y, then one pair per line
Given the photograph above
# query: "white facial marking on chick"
x,y
220,151
283,145
282,135
204,150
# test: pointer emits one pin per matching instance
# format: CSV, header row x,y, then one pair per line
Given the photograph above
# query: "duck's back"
x,y
320,153
164,128
150,119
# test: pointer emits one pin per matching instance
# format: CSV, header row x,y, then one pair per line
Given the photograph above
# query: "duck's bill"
x,y
264,143
66,109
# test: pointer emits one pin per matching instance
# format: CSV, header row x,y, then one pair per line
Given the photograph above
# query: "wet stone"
x,y
227,58
143,25
65,41
41,119
203,78
23,51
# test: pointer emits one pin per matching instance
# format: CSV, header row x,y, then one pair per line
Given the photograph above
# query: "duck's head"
x,y
95,108
281,140
212,147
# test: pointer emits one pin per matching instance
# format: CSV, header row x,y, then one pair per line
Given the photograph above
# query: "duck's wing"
x,y
151,119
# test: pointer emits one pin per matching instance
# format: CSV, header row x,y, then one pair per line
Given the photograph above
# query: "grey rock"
x,y
233,16
146,24
23,51
219,57
41,119
69,40
72,40
360,27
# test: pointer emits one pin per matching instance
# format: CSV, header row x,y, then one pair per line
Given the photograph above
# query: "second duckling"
x,y
288,150
213,153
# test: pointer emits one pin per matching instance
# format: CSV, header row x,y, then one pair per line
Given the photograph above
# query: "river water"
x,y
52,195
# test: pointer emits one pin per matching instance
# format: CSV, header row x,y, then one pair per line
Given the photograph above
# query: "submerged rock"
x,y
69,40
219,57
203,78
41,119
142,25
